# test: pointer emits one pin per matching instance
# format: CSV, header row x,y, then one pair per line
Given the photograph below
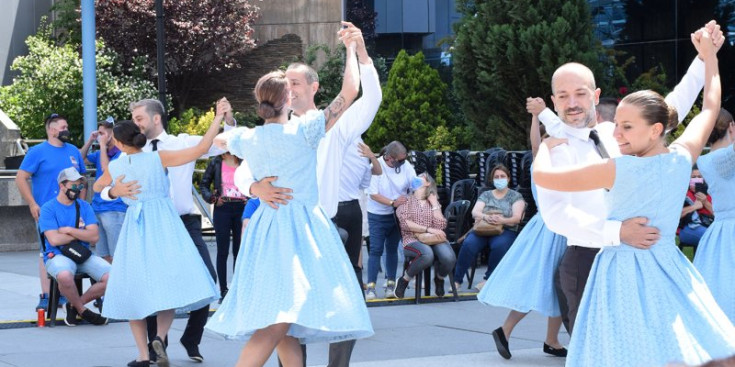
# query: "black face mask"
x,y
72,194
64,136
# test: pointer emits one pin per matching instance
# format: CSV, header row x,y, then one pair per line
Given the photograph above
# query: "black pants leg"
x,y
227,221
574,269
198,318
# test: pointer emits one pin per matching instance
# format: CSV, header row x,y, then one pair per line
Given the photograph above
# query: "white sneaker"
x,y
370,293
390,289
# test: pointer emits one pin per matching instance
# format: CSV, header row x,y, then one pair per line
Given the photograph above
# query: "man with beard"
x,y
42,165
582,216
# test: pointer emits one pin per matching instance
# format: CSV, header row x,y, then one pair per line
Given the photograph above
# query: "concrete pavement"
x,y
432,334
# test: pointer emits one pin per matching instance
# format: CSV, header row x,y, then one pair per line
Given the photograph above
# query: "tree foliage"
x,y
414,109
202,36
362,17
506,51
50,81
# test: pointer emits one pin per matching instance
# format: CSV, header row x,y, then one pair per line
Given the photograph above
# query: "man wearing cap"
x,y
58,223
41,165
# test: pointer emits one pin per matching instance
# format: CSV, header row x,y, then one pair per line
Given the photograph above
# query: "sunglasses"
x,y
76,187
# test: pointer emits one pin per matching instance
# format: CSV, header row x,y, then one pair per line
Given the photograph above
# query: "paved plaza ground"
x,y
445,334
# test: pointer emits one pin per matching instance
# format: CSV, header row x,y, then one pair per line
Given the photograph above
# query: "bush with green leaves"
x,y
50,81
414,109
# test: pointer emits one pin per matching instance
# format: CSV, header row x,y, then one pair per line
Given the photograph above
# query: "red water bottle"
x,y
41,317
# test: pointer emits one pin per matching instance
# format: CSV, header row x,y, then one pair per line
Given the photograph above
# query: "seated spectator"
x,y
60,226
498,206
422,230
229,204
696,215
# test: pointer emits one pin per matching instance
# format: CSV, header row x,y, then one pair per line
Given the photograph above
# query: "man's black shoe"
x,y
136,363
93,318
193,352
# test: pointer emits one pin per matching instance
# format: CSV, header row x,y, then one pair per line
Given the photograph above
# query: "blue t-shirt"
x,y
98,204
44,162
250,208
55,215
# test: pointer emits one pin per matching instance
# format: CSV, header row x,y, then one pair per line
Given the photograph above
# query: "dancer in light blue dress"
x,y
157,268
293,282
524,278
715,258
646,306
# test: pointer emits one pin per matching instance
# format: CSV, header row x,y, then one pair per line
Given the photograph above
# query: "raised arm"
x,y
85,148
359,116
173,158
685,93
351,81
695,136
535,131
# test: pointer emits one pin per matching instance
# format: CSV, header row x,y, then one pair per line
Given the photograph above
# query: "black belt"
x,y
350,202
232,200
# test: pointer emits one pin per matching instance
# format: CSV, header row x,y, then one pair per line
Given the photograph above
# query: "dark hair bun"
x,y
673,121
139,140
266,110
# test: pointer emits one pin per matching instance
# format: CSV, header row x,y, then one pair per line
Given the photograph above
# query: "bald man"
x,y
582,216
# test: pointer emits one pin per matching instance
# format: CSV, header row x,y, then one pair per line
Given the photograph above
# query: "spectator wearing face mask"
x,y
387,192
42,165
500,205
110,214
696,215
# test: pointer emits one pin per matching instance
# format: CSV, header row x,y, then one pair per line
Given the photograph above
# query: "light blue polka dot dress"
x,y
292,266
715,257
644,308
524,278
157,266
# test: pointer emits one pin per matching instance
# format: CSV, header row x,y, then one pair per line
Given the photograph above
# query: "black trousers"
x,y
348,218
198,318
570,280
227,222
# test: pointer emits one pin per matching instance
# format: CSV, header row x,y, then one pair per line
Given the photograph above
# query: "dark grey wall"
x,y
18,20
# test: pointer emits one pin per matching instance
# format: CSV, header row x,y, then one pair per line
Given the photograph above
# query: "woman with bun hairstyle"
x,y
646,305
293,282
157,269
715,257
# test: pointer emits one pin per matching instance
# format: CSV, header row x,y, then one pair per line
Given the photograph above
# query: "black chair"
x,y
455,167
55,294
463,190
514,162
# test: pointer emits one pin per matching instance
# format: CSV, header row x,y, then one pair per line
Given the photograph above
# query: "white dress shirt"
x,y
582,216
391,185
356,173
331,150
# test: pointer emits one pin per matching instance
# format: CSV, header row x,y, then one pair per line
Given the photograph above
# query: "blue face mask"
x,y
416,183
500,183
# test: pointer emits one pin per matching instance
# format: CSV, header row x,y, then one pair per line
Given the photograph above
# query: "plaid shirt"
x,y
420,213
